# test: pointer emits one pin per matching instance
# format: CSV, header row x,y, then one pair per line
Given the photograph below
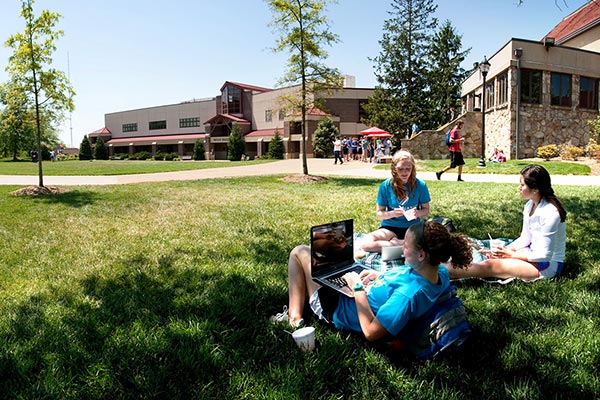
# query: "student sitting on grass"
x,y
540,250
383,303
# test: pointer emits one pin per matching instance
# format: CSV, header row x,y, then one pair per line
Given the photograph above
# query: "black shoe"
x,y
460,179
438,175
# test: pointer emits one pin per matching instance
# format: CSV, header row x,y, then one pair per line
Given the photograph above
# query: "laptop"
x,y
391,253
332,255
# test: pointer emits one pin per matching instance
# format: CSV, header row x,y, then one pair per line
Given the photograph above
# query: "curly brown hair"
x,y
397,185
441,245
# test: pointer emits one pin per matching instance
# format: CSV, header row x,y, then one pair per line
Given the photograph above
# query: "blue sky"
x,y
130,54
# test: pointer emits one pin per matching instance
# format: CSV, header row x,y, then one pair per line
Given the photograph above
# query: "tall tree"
x,y
445,73
47,89
304,33
401,66
100,149
236,144
324,137
17,132
85,149
276,147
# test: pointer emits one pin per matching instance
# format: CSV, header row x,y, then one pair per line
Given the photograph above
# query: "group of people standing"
x,y
385,302
363,149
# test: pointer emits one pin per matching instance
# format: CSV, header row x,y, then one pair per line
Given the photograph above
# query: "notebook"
x,y
332,255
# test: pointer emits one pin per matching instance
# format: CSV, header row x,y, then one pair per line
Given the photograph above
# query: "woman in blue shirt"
x,y
402,201
383,303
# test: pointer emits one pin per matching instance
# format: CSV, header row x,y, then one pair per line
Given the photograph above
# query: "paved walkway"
x,y
316,166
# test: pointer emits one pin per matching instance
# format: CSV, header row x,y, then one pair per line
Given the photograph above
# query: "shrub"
x,y
593,149
198,150
100,149
171,156
158,156
142,155
276,147
548,152
323,138
235,145
85,149
573,153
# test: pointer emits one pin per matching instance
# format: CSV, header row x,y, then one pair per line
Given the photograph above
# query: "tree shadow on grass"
x,y
75,198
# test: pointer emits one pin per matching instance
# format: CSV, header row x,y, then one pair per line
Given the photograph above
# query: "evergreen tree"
x,y
323,138
85,149
445,73
100,149
199,150
235,145
276,147
401,67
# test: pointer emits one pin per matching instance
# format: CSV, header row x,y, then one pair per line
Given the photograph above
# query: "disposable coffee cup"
x,y
305,338
495,244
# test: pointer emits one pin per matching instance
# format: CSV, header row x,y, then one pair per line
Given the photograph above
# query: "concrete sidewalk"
x,y
316,166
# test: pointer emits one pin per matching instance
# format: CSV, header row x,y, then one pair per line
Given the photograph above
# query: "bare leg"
x,y
300,283
460,167
497,268
374,241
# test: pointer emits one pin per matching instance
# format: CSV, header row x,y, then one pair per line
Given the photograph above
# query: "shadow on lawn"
x,y
75,198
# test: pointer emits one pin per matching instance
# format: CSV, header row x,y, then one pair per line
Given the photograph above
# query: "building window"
x,y
531,86
295,128
154,125
489,95
281,115
560,89
231,99
189,122
503,88
268,115
130,127
588,93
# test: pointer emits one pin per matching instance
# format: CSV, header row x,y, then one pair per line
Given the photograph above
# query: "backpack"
x,y
442,327
448,136
446,221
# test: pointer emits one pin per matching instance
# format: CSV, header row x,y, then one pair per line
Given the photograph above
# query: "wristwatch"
x,y
358,287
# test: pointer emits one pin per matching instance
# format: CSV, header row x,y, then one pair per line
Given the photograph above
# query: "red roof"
x,y
101,131
583,19
163,138
227,116
247,87
264,132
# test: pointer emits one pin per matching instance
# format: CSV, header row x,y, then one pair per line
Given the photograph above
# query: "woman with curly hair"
x,y
402,201
540,250
383,302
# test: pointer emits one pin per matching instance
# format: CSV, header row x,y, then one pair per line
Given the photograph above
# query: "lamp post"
x,y
484,67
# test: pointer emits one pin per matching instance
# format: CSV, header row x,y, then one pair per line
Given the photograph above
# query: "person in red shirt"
x,y
456,157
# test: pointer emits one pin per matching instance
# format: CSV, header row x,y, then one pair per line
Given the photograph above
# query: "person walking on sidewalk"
x,y
337,150
456,157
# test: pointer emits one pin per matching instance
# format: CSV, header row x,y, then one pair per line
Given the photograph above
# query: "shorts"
x,y
549,269
456,159
399,232
323,303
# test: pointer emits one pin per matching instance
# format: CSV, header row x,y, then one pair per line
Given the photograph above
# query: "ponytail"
x,y
441,245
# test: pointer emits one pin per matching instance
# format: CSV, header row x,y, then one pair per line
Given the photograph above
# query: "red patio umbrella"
x,y
374,130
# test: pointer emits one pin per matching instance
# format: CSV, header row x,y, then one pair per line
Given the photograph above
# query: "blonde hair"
x,y
397,184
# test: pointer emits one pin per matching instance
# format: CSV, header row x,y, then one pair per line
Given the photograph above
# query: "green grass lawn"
x,y
111,167
163,291
511,167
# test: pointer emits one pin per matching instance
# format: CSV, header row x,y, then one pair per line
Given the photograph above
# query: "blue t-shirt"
x,y
387,198
396,297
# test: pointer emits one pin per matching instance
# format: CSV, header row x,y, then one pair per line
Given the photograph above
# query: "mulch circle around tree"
x,y
38,191
300,178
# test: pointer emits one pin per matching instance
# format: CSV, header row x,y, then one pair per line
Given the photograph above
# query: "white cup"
x,y
495,244
305,338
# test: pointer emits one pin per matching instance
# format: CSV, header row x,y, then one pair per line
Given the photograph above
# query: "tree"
x,y
323,138
276,147
85,149
445,73
401,67
236,144
199,150
48,90
100,150
304,33
17,133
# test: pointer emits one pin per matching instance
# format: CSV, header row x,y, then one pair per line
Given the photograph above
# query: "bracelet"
x,y
358,287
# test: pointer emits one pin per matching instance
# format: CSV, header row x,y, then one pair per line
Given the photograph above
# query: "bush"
x,y
158,156
593,149
548,152
171,156
199,150
573,153
142,155
100,149
85,149
276,147
235,145
119,156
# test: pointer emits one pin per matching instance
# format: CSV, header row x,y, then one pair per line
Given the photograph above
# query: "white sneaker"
x,y
284,317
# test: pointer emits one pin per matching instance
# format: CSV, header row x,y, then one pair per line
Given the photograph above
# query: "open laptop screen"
x,y
331,246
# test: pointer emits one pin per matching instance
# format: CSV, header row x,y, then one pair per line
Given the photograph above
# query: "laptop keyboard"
x,y
341,282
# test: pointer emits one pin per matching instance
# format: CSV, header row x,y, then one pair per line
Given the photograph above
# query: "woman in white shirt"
x,y
540,250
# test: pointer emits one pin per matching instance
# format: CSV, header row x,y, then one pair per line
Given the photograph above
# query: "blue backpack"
x,y
448,136
444,326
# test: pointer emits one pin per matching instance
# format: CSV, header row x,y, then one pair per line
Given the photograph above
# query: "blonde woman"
x,y
402,201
